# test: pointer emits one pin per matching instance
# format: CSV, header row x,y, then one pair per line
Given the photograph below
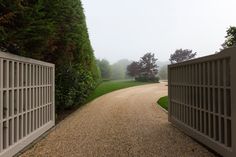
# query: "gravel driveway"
x,y
125,123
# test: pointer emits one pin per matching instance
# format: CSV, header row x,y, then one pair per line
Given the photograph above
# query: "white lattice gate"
x,y
202,100
26,101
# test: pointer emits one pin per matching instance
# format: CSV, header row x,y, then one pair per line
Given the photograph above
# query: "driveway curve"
x,y
124,123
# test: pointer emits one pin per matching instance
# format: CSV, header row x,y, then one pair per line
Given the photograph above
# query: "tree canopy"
x,y
148,66
230,38
181,55
133,69
144,70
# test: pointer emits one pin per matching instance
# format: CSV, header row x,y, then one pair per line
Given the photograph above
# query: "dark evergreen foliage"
x,y
54,31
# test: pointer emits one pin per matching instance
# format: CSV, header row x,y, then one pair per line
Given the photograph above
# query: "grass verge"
x,y
110,86
163,102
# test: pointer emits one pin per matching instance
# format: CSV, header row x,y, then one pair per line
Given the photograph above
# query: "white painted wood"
x,y
1,104
217,101
24,101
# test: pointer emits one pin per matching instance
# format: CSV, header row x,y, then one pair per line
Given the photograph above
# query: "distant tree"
x,y
118,69
148,66
230,38
133,69
105,68
163,73
181,55
144,70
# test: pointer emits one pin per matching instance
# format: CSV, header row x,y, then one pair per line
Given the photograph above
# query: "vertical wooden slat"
x,y
184,102
180,111
204,97
209,99
33,96
22,100
52,94
18,107
46,75
219,98
197,107
1,104
29,119
36,75
36,114
200,95
30,97
33,87
42,76
213,97
41,98
7,103
12,102
21,114
22,75
191,96
196,95
30,105
47,117
26,99
225,100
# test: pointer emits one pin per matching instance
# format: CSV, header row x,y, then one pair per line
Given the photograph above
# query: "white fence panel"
x,y
27,106
202,100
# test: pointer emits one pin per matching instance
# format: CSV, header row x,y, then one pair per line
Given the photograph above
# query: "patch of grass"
x,y
163,102
110,86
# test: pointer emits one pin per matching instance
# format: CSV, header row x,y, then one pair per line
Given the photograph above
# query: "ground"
x,y
124,123
104,87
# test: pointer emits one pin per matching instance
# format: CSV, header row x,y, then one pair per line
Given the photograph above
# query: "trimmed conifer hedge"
x,y
53,31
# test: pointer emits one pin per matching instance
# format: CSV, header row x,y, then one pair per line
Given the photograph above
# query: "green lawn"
x,y
109,86
163,102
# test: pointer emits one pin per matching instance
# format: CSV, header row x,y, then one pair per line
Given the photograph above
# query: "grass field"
x,y
163,102
109,86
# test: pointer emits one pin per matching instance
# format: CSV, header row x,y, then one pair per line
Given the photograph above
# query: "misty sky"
x,y
129,28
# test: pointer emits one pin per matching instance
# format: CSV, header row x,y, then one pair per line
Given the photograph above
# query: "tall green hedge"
x,y
54,31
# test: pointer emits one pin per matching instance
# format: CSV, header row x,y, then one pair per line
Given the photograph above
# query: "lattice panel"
x,y
201,100
26,100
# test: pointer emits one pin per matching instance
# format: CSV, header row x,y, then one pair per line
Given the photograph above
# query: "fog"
x,y
129,28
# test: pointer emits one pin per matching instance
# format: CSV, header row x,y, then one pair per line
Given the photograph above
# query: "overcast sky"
x,y
129,28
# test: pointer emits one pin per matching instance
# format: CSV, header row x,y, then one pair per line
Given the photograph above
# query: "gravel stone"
x,y
124,123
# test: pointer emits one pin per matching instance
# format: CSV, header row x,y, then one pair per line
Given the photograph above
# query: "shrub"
x,y
73,86
147,79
